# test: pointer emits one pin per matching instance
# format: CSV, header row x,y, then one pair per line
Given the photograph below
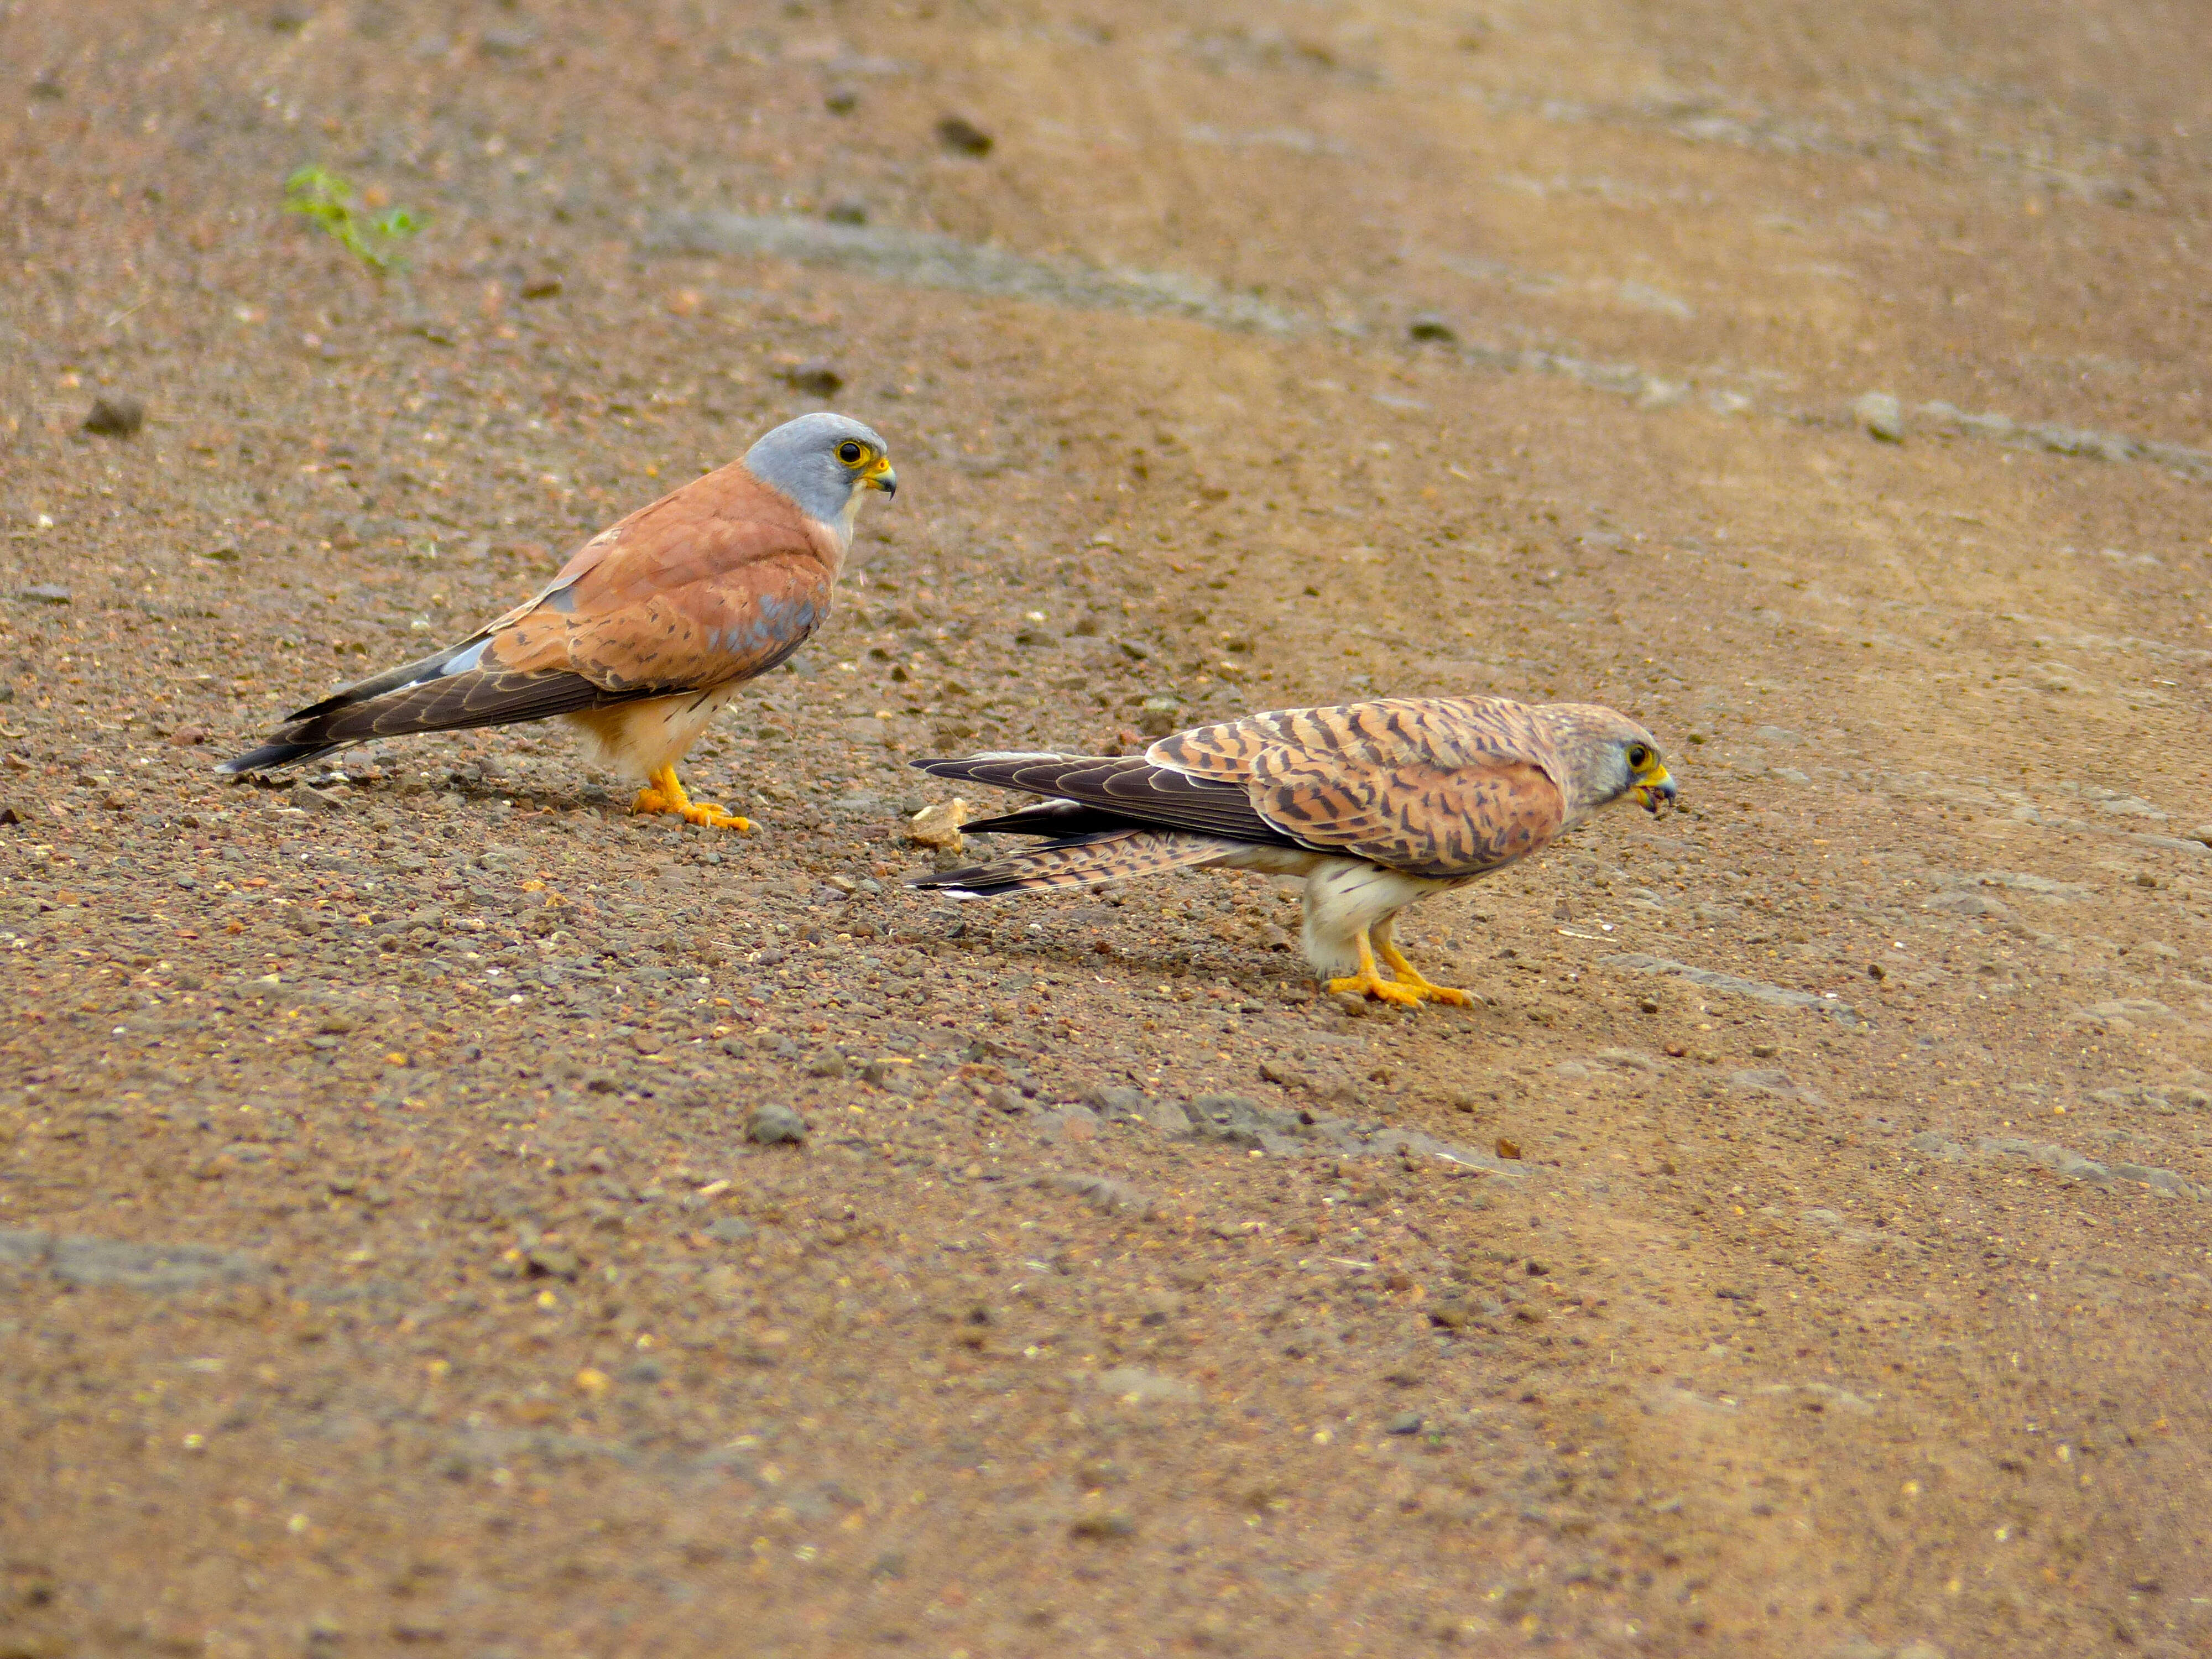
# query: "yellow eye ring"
x,y
850,452
1638,757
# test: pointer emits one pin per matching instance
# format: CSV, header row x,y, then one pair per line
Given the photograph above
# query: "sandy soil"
x,y
1799,1250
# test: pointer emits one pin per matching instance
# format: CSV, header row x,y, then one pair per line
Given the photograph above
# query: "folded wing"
x,y
720,581
1440,788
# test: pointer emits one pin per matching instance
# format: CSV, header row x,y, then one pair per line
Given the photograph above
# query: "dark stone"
x,y
775,1126
1106,1524
554,1261
115,417
963,137
1430,326
814,377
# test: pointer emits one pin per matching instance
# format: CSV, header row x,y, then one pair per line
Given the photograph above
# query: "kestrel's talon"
x,y
667,794
1424,989
1367,982
1382,990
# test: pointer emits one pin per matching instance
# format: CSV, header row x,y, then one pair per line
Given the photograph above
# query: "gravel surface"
x,y
440,1211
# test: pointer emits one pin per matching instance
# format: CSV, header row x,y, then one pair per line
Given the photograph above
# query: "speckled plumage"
x,y
1375,804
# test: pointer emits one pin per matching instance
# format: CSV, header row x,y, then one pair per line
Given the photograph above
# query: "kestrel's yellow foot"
x,y
1368,983
666,794
1412,978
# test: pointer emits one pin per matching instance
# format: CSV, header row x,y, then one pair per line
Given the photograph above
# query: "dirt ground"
x,y
1799,1250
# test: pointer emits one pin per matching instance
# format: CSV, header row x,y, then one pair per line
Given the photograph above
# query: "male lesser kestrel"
x,y
649,629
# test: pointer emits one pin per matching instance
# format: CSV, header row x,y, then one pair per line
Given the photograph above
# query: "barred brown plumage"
x,y
1375,804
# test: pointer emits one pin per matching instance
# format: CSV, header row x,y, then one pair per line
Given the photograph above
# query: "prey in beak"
x,y
1653,787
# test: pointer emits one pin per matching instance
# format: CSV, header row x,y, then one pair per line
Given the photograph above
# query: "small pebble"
x,y
115,417
776,1124
963,137
1404,1423
1881,416
814,377
1105,1523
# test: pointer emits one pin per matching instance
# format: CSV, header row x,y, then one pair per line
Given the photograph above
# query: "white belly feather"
x,y
1344,898
636,739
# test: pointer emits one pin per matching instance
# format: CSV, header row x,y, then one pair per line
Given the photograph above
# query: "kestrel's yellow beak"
x,y
881,477
1653,786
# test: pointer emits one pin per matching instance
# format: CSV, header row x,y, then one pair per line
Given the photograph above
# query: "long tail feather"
x,y
1122,789
1091,861
441,701
270,756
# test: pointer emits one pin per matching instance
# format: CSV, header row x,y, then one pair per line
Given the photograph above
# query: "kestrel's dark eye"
x,y
850,452
1638,757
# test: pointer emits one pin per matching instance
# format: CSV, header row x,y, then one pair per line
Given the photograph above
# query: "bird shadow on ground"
x,y
529,801
1099,955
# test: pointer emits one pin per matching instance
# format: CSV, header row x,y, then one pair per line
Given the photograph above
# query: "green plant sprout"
x,y
376,239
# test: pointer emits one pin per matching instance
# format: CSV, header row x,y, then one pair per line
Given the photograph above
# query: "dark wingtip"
x,y
269,756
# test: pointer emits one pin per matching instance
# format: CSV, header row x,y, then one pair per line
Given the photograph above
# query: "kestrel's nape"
x,y
649,629
1375,804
